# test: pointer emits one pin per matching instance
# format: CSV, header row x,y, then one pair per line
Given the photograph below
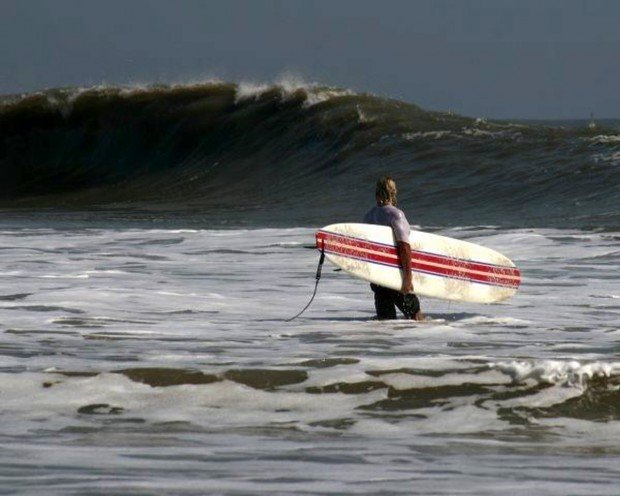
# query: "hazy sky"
x,y
492,58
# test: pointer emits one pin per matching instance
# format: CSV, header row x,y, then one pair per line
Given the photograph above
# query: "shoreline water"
x,y
141,360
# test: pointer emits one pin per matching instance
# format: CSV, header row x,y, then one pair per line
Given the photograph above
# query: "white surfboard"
x,y
442,267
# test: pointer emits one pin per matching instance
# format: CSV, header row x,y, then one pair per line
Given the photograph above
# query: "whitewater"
x,y
144,342
159,361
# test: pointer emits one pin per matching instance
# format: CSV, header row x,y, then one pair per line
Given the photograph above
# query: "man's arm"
x,y
404,257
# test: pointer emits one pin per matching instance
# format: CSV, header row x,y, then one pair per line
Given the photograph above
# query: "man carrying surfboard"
x,y
385,213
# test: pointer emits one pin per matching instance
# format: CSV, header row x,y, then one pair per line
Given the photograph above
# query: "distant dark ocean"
x,y
220,154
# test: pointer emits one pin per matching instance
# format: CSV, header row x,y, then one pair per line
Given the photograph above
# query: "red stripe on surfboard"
x,y
429,257
422,261
455,272
458,273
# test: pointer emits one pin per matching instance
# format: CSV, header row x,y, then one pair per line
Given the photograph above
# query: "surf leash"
x,y
316,284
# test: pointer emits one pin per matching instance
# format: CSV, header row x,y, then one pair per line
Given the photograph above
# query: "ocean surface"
x,y
155,240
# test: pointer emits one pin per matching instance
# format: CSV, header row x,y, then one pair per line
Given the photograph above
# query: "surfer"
x,y
385,213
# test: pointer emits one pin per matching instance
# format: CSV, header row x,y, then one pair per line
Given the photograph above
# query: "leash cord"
x,y
316,285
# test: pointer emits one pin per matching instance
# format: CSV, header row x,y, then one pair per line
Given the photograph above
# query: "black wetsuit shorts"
x,y
386,301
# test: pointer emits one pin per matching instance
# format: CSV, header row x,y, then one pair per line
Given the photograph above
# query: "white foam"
x,y
426,134
481,319
565,373
291,85
478,133
64,276
612,158
435,362
339,374
604,139
316,96
402,381
250,91
362,118
221,403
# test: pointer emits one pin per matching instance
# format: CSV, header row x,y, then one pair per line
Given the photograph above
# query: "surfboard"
x,y
442,267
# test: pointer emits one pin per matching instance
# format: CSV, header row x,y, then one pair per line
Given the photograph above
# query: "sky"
x,y
481,58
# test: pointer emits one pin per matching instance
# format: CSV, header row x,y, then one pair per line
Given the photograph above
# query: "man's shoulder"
x,y
394,211
385,215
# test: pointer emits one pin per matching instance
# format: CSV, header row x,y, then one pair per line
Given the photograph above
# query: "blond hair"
x,y
386,191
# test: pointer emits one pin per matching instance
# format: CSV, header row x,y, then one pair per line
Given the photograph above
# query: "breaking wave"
x,y
293,153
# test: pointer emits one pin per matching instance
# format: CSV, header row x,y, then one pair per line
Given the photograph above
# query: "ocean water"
x,y
154,242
